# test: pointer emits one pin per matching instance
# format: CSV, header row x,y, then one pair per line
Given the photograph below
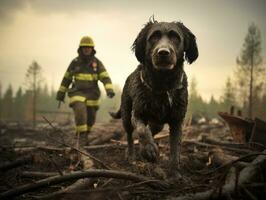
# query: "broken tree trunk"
x,y
246,176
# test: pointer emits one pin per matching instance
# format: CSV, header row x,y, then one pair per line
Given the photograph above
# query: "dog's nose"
x,y
163,52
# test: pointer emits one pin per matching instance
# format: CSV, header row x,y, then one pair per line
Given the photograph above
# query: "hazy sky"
x,y
49,32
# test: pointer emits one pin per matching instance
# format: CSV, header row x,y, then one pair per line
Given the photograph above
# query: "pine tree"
x,y
28,102
250,66
33,82
19,105
228,98
262,110
213,107
196,105
1,102
7,103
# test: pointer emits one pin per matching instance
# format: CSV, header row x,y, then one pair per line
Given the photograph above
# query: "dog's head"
x,y
162,44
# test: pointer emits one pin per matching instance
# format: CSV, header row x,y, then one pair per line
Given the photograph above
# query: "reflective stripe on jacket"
x,y
83,75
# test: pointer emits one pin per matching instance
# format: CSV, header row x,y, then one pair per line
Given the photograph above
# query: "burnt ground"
x,y
44,151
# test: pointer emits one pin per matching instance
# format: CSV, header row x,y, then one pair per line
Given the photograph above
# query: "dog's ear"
x,y
191,48
139,45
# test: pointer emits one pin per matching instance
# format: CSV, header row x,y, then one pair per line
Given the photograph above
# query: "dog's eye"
x,y
155,36
173,35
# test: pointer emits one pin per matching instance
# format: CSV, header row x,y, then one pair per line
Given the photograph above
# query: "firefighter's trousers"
x,y
84,116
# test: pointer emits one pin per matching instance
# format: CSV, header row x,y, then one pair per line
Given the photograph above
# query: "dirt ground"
x,y
44,151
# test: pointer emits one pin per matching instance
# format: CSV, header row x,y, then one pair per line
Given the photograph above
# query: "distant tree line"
x,y
18,105
246,90
198,107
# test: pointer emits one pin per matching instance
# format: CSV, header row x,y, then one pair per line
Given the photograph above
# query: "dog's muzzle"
x,y
163,52
163,58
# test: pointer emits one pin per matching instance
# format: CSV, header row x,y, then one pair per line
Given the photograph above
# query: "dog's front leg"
x,y
148,148
175,147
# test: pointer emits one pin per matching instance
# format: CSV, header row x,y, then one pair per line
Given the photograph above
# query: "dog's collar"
x,y
168,92
178,87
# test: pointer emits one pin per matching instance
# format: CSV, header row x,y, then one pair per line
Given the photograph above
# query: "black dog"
x,y
156,92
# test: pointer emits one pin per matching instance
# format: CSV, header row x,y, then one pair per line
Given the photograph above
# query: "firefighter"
x,y
83,74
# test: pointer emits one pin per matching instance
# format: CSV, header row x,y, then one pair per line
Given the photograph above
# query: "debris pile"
x,y
45,164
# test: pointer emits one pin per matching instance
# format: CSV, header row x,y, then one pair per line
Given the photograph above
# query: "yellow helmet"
x,y
86,41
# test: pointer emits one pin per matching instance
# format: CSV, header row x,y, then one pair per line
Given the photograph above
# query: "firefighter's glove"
x,y
110,94
60,96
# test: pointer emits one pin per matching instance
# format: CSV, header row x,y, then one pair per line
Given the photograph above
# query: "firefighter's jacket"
x,y
81,81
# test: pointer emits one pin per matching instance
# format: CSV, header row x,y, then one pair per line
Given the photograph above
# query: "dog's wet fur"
x,y
156,92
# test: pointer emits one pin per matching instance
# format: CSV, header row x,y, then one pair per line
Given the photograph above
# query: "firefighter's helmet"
x,y
86,41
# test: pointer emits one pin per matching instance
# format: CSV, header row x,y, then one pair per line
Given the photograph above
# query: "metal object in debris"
x,y
259,132
245,130
240,128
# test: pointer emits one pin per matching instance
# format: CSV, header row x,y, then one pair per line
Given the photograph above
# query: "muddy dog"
x,y
156,92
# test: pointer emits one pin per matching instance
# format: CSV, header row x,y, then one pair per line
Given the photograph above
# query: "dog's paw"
x,y
174,173
174,169
130,156
150,152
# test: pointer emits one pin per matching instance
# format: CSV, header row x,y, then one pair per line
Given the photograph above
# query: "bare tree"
x,y
249,67
33,83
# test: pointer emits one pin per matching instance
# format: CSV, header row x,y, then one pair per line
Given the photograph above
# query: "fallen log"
x,y
157,137
80,184
251,146
21,161
164,135
74,176
31,174
66,149
104,138
246,176
105,146
237,150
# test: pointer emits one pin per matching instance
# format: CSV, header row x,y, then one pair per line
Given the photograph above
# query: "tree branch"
x,y
78,175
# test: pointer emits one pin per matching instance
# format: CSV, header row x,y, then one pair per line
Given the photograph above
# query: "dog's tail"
x,y
116,115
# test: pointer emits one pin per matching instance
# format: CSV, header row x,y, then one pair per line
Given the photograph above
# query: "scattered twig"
x,y
228,165
55,165
76,149
119,196
250,195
